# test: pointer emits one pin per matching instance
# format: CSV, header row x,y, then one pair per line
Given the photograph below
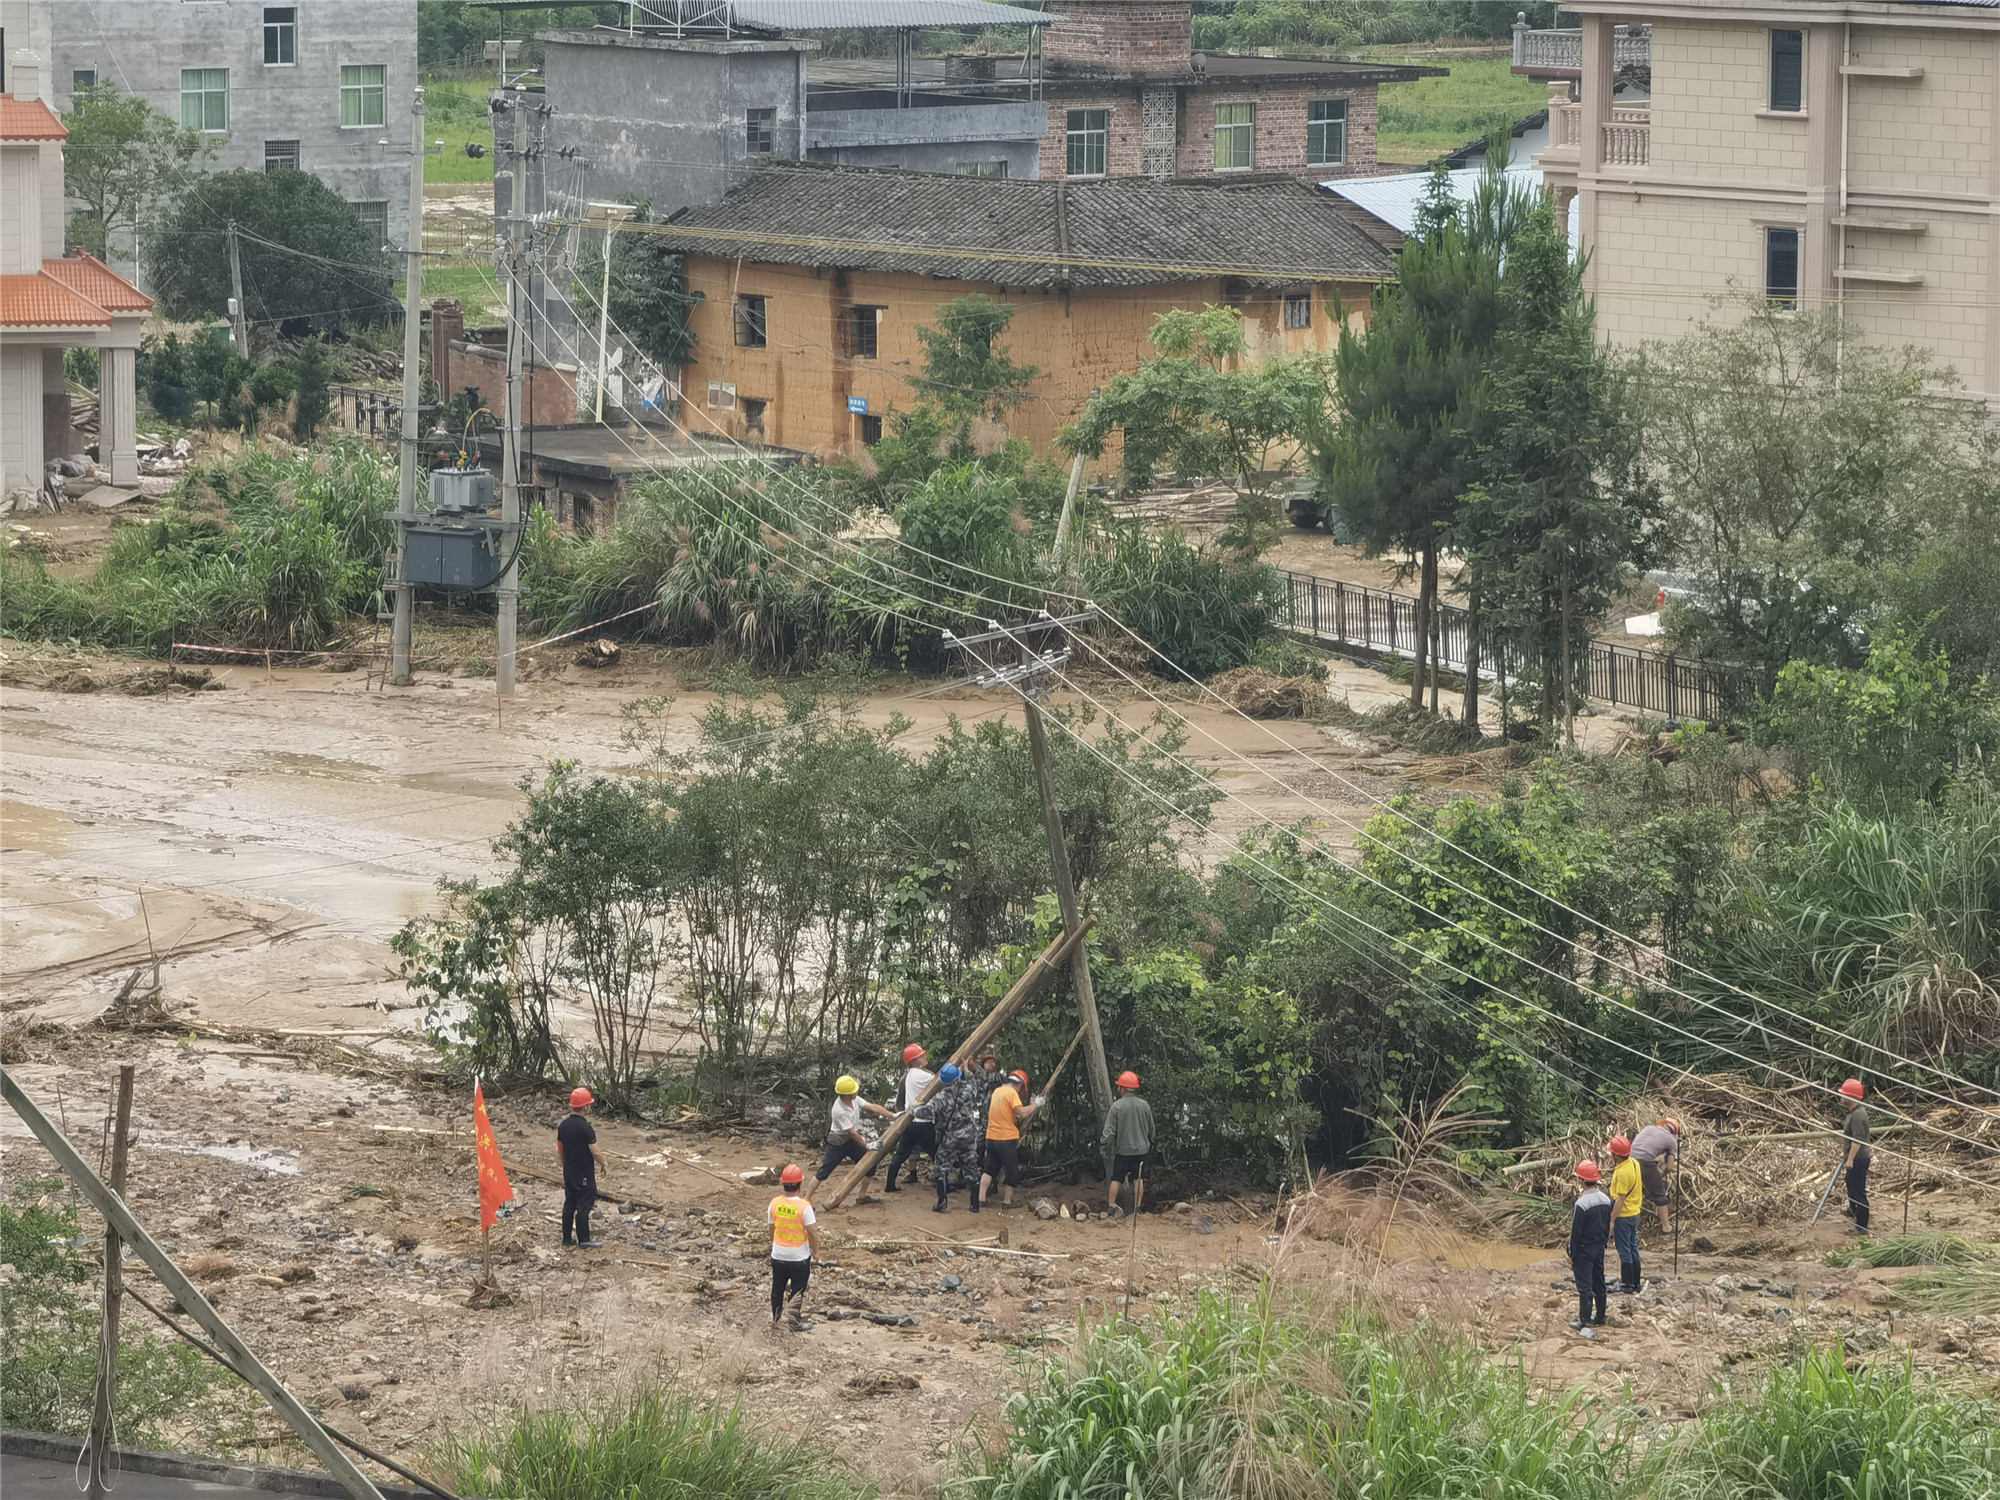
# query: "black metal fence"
x,y
1333,612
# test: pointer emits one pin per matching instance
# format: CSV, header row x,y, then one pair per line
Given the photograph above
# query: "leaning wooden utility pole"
x,y
1041,973
1022,679
185,1292
101,1425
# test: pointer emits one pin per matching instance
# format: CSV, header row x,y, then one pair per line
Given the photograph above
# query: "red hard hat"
x,y
911,1053
1619,1146
1672,1124
793,1175
579,1098
1852,1088
1128,1079
1587,1170
1019,1077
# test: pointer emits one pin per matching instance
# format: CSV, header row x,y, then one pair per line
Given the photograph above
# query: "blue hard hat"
x,y
951,1073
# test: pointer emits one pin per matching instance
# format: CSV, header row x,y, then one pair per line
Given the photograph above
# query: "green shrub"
x,y
1231,1400
1821,1431
301,549
49,1329
1206,611
655,1445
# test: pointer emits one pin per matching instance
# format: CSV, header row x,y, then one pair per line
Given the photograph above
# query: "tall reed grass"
x,y
269,550
1235,1399
652,1445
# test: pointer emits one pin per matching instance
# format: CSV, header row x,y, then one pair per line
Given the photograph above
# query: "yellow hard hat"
x,y
846,1083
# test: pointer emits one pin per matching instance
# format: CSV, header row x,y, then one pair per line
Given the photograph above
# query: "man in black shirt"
x,y
576,1145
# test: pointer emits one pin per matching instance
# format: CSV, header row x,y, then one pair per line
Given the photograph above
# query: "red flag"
x,y
494,1188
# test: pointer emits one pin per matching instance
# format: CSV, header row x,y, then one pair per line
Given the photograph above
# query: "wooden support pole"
x,y
1086,997
185,1292
1040,973
101,1426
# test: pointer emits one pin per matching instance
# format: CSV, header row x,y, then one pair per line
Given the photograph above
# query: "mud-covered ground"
x,y
264,841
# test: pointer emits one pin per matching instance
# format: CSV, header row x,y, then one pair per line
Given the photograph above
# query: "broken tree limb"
x,y
1045,970
514,1166
133,1233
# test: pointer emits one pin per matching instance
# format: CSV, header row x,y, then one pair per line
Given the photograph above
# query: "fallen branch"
x,y
602,1193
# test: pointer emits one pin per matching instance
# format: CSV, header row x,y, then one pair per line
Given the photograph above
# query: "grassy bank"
x,y
1235,1399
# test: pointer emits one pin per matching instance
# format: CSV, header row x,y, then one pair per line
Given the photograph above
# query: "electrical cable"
x,y
1501,947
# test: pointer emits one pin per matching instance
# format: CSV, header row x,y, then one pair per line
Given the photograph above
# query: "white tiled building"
x,y
50,302
1842,154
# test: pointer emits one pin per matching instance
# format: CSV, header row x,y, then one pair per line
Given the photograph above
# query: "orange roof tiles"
x,y
29,120
92,279
37,301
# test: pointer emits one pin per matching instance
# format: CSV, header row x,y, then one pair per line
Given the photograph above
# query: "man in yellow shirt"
x,y
1628,1201
1004,1118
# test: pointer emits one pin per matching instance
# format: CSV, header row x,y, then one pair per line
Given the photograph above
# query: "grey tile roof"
x,y
1019,233
838,15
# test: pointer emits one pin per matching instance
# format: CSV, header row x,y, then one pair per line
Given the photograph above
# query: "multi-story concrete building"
x,y
1841,153
696,95
320,85
50,302
1130,97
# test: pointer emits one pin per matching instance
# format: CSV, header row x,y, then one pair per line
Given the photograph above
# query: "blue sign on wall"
x,y
858,405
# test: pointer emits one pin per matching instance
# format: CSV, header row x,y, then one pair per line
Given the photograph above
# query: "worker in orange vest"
x,y
794,1245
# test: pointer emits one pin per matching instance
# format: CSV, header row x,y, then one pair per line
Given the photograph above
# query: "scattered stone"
x,y
298,1271
1702,1245
353,1391
882,1383
1042,1208
1949,1345
599,653
953,1283
1783,1289
1781,1315
1035,1307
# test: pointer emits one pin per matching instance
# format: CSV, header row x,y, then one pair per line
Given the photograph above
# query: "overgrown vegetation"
x,y
1231,1399
50,1335
268,551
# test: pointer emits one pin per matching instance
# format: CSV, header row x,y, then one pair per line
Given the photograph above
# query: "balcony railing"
x,y
1562,51
1628,138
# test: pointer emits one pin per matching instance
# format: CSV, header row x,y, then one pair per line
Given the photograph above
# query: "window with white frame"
x,y
995,168
761,132
1235,137
1326,133
281,36
1089,142
281,156
364,96
205,98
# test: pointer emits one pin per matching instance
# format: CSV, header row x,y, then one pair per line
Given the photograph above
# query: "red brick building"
x,y
1128,96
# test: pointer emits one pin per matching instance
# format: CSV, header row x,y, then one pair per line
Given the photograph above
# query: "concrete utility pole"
x,y
101,1427
239,315
1079,963
1021,679
510,442
413,344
